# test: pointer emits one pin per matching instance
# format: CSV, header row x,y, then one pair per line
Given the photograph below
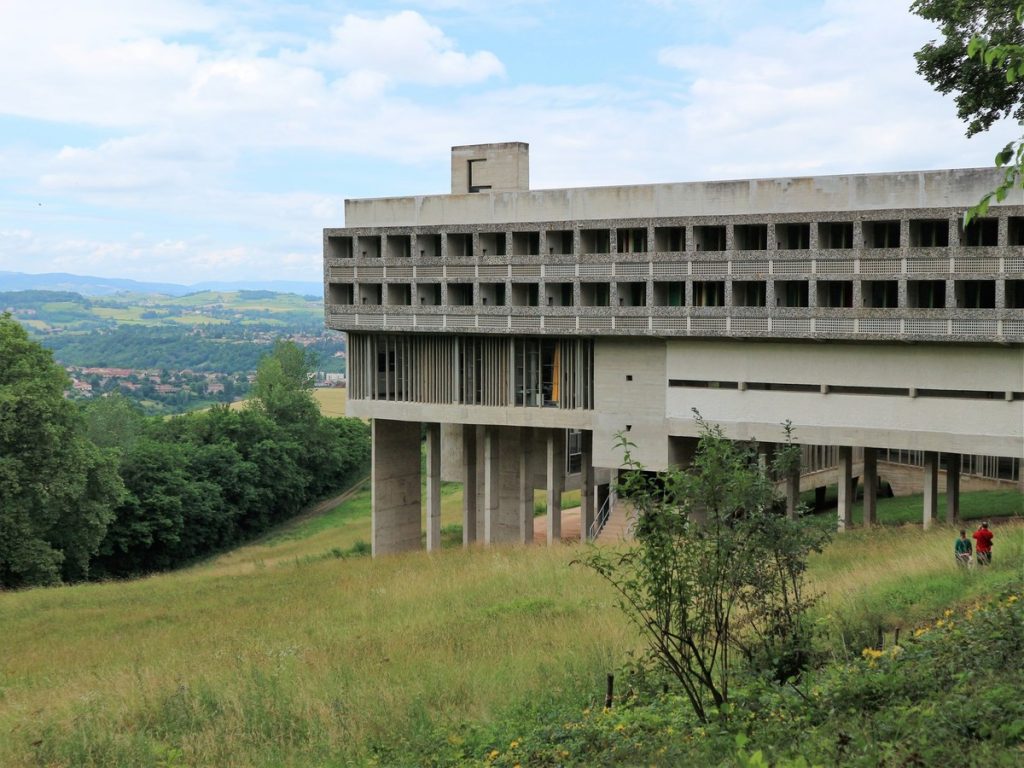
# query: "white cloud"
x,y
404,48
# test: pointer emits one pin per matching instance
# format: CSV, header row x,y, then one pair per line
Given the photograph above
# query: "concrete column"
x,y
395,486
587,485
492,477
846,489
469,470
931,487
525,506
952,487
792,494
555,472
870,486
433,487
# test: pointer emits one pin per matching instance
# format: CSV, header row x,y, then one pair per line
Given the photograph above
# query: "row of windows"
x,y
882,294
920,233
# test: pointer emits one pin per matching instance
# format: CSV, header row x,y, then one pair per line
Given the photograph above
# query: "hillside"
x,y
171,353
298,651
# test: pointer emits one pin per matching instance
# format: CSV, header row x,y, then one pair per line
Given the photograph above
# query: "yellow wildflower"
x,y
1012,599
494,754
513,744
920,631
620,727
940,623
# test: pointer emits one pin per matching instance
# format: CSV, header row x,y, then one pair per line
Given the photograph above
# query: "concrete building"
x,y
509,322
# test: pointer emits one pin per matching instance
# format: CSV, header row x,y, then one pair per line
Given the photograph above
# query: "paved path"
x,y
570,526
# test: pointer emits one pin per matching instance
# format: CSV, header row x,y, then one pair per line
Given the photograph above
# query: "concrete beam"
x,y
433,487
870,486
395,486
930,477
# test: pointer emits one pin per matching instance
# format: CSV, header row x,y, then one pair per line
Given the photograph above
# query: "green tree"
x,y
981,60
284,385
982,95
57,489
716,575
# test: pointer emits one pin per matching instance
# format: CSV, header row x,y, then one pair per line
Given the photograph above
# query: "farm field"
x,y
295,650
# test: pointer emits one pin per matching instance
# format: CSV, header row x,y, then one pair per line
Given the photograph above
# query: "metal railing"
x,y
601,519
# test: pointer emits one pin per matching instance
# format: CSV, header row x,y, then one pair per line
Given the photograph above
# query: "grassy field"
x,y
290,652
332,401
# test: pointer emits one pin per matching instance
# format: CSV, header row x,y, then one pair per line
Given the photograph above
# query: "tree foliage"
x,y
981,60
716,576
57,488
982,94
105,491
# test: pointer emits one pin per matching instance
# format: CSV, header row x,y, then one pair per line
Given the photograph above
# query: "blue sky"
x,y
192,140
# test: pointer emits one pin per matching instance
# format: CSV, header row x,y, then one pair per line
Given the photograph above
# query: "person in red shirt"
x,y
983,537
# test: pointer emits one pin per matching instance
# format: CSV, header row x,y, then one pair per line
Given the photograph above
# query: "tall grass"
x,y
273,655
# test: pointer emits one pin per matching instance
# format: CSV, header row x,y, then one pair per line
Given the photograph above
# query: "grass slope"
x,y
282,653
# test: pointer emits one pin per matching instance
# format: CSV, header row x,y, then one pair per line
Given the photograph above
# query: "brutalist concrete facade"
x,y
858,307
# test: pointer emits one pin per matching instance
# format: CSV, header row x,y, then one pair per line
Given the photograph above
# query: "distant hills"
x,y
89,285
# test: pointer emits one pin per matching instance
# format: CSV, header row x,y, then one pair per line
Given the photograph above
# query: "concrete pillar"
x,y
433,487
846,488
792,494
586,485
952,488
469,470
555,472
870,486
931,488
525,506
492,478
395,486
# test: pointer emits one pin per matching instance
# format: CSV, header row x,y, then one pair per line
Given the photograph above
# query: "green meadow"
x,y
300,650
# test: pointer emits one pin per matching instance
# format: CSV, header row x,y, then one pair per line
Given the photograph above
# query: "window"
x,y
709,293
929,233
881,234
792,293
709,238
670,294
793,237
670,239
749,293
835,293
751,237
880,294
926,294
835,234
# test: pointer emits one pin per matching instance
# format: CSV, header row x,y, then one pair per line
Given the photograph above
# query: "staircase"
x,y
619,524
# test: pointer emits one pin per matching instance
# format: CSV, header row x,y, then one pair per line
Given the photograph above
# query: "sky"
x,y
198,140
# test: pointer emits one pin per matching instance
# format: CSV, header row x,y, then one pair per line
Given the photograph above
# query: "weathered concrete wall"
x,y
396,486
629,396
501,167
856,192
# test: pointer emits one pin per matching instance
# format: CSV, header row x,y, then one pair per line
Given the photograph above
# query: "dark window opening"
x,y
835,293
751,237
560,242
429,246
1015,231
558,294
595,240
981,233
339,247
835,234
1015,294
926,294
881,234
792,293
369,246
881,294
632,294
492,244
670,239
525,295
975,294
709,237
929,233
526,243
670,294
399,294
460,294
399,246
749,293
492,294
460,245
793,237
632,240
595,294
428,294
709,293
339,293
